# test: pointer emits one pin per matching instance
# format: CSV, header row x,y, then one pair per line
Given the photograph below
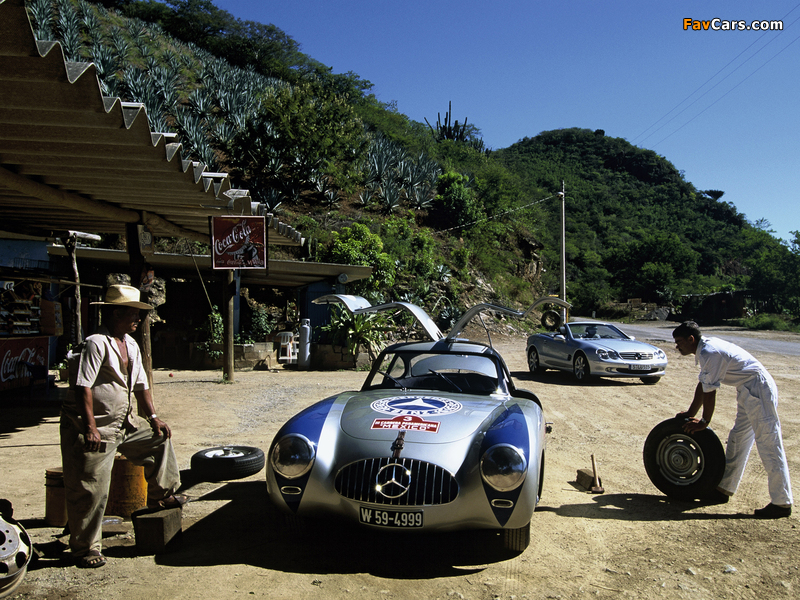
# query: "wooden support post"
x,y
136,261
227,327
70,244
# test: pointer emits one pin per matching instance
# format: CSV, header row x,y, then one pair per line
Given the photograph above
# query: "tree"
x,y
455,205
356,245
308,129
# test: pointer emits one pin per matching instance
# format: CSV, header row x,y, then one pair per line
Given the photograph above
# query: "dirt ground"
x,y
631,541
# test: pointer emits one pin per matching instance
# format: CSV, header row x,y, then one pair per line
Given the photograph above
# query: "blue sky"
x,y
722,106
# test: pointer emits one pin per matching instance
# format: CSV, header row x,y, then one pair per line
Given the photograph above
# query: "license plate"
x,y
639,367
391,518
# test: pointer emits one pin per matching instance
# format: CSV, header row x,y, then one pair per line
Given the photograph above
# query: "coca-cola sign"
x,y
17,352
239,242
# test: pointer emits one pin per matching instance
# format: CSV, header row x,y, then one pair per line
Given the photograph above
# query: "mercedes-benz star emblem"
x,y
392,480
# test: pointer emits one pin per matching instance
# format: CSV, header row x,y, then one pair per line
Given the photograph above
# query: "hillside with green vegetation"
x,y
442,219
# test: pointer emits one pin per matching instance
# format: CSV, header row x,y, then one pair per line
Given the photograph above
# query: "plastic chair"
x,y
286,352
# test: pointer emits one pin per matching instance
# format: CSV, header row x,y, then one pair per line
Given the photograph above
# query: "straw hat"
x,y
123,295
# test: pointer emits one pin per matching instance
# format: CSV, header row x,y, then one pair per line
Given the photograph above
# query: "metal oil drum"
x,y
55,501
128,490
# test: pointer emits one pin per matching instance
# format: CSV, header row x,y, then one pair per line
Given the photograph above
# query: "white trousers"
x,y
757,421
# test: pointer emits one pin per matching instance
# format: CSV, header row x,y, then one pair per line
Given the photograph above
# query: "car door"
x,y
555,350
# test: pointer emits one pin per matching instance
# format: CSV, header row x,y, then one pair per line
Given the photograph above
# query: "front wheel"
x,y
684,466
650,380
580,367
517,540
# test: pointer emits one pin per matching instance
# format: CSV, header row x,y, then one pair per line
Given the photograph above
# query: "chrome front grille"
x,y
427,485
636,355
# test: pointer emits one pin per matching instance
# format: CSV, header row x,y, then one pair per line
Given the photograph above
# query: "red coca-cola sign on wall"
x,y
238,243
14,353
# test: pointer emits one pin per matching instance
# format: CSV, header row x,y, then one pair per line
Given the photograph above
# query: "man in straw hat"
x,y
100,417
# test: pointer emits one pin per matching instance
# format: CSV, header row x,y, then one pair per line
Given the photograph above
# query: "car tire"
x,y
534,364
541,480
517,540
580,368
223,463
551,320
650,380
684,466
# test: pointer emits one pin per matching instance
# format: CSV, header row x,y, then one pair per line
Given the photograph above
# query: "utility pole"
x,y
562,193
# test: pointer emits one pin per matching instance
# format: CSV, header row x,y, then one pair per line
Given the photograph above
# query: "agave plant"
x,y
68,28
365,197
120,44
105,61
42,13
421,197
390,199
442,273
332,198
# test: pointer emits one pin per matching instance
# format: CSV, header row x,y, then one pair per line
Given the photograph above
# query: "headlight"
x,y
607,354
503,467
293,456
660,354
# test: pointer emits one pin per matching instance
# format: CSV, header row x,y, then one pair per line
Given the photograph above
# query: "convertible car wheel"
x,y
684,466
224,463
650,380
518,539
534,366
580,367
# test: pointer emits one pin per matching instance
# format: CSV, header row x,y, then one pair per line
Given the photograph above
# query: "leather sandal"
x,y
172,501
91,560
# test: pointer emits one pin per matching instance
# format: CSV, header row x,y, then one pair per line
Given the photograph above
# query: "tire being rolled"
x,y
684,466
224,463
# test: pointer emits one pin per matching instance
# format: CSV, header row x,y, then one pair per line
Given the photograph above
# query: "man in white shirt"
x,y
756,416
100,417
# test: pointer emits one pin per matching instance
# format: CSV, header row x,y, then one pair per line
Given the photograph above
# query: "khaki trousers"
x,y
87,477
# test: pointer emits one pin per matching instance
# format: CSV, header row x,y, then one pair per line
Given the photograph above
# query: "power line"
x,y
639,137
498,215
728,92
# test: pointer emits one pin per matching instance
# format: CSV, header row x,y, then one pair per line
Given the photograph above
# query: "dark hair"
x,y
687,329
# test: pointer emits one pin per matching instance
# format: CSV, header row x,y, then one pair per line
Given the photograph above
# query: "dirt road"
x,y
631,540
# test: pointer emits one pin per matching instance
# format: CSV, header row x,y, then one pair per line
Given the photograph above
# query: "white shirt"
x,y
722,362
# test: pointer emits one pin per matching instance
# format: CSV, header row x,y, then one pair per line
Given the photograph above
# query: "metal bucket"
x,y
55,512
128,490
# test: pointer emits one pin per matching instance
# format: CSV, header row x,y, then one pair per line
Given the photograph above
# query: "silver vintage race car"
x,y
595,349
437,439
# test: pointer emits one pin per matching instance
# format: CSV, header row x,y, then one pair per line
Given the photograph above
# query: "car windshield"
x,y
596,331
460,373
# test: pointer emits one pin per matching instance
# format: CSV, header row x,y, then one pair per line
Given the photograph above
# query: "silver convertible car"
x,y
437,439
595,349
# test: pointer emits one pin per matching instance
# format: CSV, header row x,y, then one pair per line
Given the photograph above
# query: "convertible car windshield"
x,y
596,331
461,373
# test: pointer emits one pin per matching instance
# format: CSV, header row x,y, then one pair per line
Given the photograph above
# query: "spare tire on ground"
x,y
684,466
224,463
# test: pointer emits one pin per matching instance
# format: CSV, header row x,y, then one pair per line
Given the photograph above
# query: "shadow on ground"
x,y
247,529
24,408
566,378
640,507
